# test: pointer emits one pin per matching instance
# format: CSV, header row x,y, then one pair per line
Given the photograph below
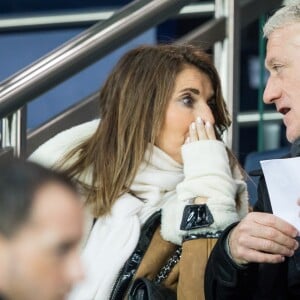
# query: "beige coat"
x,y
187,276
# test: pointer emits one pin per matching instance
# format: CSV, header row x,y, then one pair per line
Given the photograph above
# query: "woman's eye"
x,y
188,101
211,102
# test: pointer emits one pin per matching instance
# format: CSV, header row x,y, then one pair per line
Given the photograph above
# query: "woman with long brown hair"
x,y
154,172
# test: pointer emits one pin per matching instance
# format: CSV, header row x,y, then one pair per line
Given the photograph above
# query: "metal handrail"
x,y
207,34
85,17
49,20
66,119
93,44
83,50
250,10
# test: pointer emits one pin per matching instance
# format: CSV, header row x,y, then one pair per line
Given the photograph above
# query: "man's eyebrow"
x,y
193,90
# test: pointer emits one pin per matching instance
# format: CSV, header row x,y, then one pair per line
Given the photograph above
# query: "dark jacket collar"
x,y
259,172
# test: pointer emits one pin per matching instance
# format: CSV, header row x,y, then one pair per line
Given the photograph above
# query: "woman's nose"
x,y
206,114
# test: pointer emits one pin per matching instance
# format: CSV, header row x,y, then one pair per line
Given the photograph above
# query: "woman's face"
x,y
190,99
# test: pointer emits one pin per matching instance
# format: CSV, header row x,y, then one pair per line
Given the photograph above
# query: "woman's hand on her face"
x,y
200,131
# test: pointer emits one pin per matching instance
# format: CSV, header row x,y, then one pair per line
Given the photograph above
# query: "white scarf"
x,y
114,237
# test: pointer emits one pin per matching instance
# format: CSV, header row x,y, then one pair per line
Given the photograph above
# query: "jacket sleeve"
x,y
263,203
225,280
207,174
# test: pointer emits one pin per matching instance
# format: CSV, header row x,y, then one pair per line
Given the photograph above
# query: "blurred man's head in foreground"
x,y
41,223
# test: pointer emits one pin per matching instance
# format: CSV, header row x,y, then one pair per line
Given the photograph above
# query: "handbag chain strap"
x,y
166,269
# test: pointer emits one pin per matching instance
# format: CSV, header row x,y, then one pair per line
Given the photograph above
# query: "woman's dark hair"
x,y
133,104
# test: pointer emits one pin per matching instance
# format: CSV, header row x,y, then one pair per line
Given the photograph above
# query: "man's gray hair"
x,y
286,15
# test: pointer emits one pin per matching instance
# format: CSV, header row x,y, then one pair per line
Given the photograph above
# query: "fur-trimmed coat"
x,y
164,185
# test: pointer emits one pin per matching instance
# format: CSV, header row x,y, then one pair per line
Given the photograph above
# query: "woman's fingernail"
x,y
187,140
199,120
207,124
193,125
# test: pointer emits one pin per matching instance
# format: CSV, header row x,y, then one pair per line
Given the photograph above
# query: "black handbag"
x,y
145,289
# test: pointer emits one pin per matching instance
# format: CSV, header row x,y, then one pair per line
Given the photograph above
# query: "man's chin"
x,y
292,136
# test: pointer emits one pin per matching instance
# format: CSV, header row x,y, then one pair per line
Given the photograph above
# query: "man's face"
x,y
283,86
43,260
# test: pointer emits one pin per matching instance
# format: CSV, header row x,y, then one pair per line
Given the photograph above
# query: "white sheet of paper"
x,y
283,182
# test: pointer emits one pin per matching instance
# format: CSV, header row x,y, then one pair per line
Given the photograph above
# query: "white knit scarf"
x,y
114,237
159,184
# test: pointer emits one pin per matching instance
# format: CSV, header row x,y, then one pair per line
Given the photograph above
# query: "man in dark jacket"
x,y
41,224
259,258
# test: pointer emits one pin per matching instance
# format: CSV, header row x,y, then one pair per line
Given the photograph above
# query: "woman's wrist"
x,y
200,200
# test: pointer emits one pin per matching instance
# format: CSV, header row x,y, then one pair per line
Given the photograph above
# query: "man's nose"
x,y
272,91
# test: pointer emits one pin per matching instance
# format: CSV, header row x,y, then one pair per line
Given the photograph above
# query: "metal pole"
x,y
233,71
83,50
14,132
